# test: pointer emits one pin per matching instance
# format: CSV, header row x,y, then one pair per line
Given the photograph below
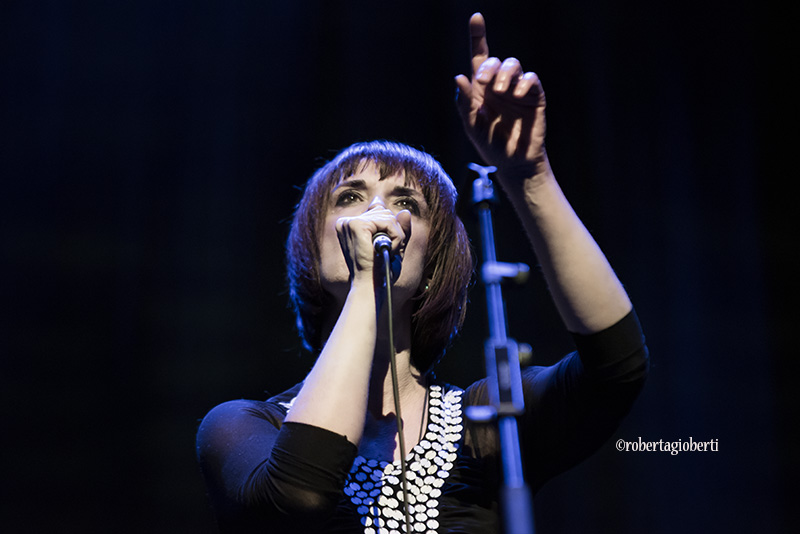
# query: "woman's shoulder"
x,y
273,410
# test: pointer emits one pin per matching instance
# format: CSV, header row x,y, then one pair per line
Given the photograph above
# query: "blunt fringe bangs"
x,y
438,311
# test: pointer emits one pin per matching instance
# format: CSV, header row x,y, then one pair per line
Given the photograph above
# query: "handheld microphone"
x,y
381,241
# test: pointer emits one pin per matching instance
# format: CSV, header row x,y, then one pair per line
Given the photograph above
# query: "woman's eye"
x,y
408,203
347,197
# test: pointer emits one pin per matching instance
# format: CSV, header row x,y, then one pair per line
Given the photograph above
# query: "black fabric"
x,y
266,476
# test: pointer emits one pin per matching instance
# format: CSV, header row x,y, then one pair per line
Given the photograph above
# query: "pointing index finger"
x,y
480,48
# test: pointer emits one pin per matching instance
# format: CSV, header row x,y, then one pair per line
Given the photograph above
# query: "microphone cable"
x,y
395,388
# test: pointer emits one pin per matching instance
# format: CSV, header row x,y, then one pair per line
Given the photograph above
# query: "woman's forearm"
x,y
586,291
334,394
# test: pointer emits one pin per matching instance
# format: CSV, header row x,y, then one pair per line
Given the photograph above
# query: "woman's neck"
x,y
411,384
380,440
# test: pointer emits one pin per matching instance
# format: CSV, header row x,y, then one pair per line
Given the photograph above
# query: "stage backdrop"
x,y
152,153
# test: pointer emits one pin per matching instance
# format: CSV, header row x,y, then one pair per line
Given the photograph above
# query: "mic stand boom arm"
x,y
502,368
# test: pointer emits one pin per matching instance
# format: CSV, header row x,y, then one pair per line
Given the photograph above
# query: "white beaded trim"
x,y
375,487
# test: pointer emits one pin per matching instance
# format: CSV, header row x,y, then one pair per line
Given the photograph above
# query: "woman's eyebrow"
x,y
401,190
352,184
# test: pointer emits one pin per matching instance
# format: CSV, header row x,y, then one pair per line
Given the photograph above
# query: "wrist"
x,y
362,284
524,167
527,181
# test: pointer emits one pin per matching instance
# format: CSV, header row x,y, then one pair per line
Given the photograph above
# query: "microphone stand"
x,y
502,367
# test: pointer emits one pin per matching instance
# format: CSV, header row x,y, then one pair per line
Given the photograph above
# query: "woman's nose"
x,y
377,201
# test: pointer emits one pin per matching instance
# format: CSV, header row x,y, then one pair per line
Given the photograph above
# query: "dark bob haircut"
x,y
438,312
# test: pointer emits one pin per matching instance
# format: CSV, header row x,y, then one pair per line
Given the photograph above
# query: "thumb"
x,y
404,220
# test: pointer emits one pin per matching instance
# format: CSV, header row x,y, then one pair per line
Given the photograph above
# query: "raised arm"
x,y
503,111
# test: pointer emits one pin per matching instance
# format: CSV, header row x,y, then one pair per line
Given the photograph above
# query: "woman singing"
x,y
325,455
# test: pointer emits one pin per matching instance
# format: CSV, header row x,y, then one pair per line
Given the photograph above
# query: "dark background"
x,y
151,156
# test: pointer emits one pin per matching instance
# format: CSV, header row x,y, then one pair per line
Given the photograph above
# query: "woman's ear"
x,y
424,285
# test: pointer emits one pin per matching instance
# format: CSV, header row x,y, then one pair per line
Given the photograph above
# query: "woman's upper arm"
x,y
232,442
574,406
258,467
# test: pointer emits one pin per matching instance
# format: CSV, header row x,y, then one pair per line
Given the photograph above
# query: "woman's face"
x,y
354,196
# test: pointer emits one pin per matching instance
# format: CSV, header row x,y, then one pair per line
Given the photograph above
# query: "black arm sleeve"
x,y
261,471
574,406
